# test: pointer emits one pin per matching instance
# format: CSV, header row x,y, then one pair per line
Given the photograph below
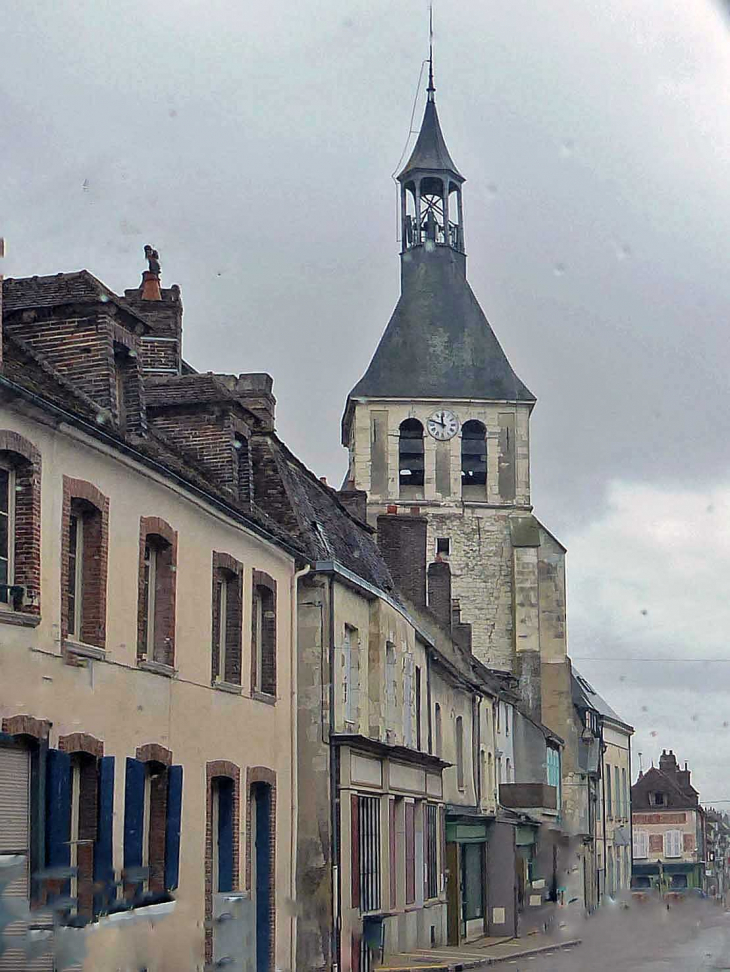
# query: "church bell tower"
x,y
440,420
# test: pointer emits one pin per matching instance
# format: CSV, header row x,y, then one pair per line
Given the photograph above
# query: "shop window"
x,y
410,848
366,853
438,731
472,869
431,850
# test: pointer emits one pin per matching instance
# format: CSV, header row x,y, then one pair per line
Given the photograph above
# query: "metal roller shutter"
x,y
15,839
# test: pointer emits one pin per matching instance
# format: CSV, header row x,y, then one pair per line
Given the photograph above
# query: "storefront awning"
x,y
683,868
646,868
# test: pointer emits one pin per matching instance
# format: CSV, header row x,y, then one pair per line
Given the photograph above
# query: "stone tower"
x,y
440,420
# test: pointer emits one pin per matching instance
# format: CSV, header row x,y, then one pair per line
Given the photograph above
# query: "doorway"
x,y
261,873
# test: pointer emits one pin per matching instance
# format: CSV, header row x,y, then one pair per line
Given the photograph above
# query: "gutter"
x,y
97,433
294,741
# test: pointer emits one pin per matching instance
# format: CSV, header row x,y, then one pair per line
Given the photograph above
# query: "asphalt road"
x,y
683,939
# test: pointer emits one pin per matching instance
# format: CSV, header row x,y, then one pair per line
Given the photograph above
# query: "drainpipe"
x,y
631,823
605,822
428,700
294,678
334,787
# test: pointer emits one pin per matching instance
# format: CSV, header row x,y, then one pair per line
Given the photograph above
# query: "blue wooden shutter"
x,y
133,812
225,834
172,828
58,811
104,850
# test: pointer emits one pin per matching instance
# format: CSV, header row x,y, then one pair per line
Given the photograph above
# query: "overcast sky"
x,y
253,144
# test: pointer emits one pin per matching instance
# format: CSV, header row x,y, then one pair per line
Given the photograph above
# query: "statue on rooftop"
x,y
153,258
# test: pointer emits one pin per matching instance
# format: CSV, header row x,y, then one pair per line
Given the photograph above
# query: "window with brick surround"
x,y
263,623
227,619
84,556
20,523
156,616
152,818
84,815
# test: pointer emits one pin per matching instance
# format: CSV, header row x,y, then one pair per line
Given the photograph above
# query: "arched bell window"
x,y
473,457
410,454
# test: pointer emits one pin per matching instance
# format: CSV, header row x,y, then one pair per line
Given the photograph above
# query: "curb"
x,y
481,962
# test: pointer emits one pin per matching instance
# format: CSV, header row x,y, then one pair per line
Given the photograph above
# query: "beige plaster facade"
x,y
613,822
112,699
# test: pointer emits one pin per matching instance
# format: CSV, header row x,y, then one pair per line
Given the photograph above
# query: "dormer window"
x,y
121,373
657,799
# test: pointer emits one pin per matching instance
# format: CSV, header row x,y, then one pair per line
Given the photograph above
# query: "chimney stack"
x,y
439,591
254,391
355,502
402,542
150,286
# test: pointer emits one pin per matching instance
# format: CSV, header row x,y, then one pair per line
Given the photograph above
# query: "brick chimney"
x,y
355,502
255,392
2,254
161,349
460,630
439,591
683,777
668,763
402,542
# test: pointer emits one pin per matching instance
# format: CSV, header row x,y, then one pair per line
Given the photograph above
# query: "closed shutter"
x,y
673,843
408,699
133,812
355,850
103,851
58,815
173,827
641,844
15,839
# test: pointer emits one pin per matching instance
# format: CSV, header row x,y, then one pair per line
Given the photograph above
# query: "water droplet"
x,y
100,418
653,733
172,113
644,612
492,189
567,148
559,269
103,298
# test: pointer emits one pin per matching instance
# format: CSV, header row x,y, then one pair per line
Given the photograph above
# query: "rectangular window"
x,y
418,708
460,752
390,685
368,852
443,546
609,795
553,772
617,791
393,848
431,850
75,574
151,552
410,841
264,634
227,619
408,699
350,673
625,792
673,843
7,531
152,816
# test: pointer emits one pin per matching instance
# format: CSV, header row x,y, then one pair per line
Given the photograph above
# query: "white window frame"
x,y
673,843
5,596
641,845
75,622
151,555
222,626
258,607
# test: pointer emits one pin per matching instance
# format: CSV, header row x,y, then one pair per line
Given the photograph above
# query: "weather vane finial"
x,y
430,88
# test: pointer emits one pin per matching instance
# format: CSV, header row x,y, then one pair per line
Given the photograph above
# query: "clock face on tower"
x,y
443,424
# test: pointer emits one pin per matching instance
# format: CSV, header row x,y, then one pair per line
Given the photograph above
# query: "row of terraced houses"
x,y
252,721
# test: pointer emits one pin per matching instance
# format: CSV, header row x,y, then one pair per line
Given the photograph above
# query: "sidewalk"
x,y
483,951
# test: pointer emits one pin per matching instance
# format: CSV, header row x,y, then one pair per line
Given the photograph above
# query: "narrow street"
x,y
694,941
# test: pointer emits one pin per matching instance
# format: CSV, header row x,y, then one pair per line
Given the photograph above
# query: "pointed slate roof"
x,y
430,151
439,344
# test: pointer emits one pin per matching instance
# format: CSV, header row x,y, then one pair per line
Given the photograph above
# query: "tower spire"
x,y
431,89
